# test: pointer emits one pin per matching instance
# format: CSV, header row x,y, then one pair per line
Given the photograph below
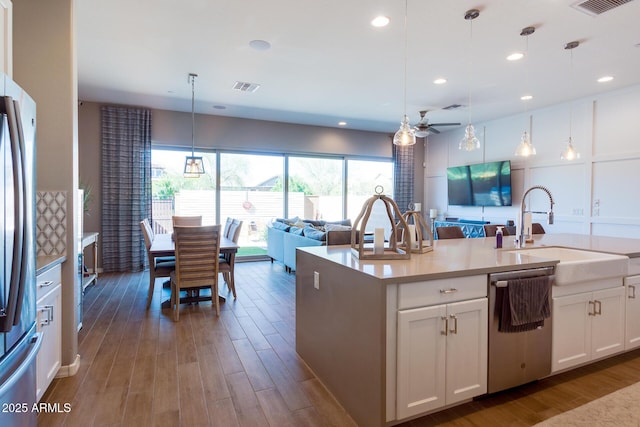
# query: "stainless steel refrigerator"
x,y
19,341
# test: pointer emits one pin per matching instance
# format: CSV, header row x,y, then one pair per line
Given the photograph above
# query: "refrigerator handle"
x,y
24,257
35,341
8,315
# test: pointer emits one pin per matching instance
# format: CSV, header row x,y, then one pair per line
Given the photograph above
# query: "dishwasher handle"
x,y
503,276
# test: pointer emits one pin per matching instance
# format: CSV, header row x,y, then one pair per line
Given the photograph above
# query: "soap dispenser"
x,y
498,237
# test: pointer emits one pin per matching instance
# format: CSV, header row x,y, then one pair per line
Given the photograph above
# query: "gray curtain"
x,y
403,176
126,186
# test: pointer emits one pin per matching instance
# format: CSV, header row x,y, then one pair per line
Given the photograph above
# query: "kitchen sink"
x,y
577,265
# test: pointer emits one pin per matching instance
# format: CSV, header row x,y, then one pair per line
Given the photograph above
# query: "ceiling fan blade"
x,y
444,124
433,130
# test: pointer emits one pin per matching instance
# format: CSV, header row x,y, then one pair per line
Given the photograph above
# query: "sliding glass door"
x,y
315,188
173,194
251,190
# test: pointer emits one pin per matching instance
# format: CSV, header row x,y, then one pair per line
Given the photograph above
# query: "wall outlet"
x,y
316,280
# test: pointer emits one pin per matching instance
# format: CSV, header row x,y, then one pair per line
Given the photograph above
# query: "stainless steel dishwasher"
x,y
517,358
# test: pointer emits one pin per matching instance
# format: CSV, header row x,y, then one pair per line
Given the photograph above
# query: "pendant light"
x,y
405,135
193,166
469,142
526,148
570,153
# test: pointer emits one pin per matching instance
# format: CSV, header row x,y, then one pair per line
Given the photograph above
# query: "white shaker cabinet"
x,y
632,318
442,354
48,306
587,326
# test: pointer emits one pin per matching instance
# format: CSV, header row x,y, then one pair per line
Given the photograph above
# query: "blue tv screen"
x,y
482,184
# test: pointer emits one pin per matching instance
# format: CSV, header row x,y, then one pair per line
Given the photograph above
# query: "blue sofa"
x,y
285,235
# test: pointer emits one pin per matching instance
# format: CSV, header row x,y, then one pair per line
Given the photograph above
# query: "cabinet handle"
x,y
598,308
47,312
446,326
455,324
448,291
592,304
45,283
632,291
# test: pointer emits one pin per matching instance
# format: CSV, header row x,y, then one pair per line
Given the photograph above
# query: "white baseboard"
x,y
69,370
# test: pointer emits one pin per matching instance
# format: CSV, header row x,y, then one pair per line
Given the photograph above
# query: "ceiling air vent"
x,y
597,7
246,87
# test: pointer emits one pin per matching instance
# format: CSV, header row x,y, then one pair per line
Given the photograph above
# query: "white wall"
x,y
596,194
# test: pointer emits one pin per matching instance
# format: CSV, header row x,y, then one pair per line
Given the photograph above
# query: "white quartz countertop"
x,y
466,257
44,263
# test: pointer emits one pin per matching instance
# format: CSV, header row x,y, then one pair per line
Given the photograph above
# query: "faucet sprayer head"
x,y
550,217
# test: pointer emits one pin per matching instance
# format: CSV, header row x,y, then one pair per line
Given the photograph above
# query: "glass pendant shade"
x,y
405,135
569,152
193,167
525,148
469,142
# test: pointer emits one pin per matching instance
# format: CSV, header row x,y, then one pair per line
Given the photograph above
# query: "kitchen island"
x,y
347,314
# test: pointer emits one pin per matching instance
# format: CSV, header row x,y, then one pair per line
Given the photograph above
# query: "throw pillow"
x,y
315,222
312,233
337,227
297,231
280,226
289,221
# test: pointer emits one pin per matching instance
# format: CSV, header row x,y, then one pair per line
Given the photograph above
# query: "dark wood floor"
x,y
139,368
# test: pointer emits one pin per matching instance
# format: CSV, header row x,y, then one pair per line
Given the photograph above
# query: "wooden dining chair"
x,y
189,221
537,228
228,260
227,227
490,230
158,266
452,232
197,252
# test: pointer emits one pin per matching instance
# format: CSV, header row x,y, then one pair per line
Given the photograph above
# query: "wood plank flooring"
x,y
139,368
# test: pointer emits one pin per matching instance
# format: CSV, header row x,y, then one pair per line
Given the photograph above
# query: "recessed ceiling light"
x,y
440,81
343,123
260,45
605,79
526,97
515,56
380,21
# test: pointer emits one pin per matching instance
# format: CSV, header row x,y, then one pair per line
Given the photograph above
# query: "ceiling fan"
x,y
424,128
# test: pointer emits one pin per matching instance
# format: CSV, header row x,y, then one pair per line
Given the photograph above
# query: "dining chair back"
x,y
197,252
490,230
537,228
158,266
189,221
452,232
227,227
228,260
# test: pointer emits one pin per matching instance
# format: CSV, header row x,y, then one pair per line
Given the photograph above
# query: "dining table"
x,y
163,245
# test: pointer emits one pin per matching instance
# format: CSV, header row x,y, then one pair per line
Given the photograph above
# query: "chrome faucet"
x,y
521,237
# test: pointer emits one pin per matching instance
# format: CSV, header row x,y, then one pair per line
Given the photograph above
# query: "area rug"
x,y
620,408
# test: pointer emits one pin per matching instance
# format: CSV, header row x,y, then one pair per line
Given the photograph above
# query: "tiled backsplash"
x,y
51,222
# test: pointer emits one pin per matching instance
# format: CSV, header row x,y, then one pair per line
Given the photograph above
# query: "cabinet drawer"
x,y
419,294
48,280
49,323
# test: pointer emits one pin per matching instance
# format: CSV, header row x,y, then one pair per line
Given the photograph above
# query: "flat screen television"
x,y
482,184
